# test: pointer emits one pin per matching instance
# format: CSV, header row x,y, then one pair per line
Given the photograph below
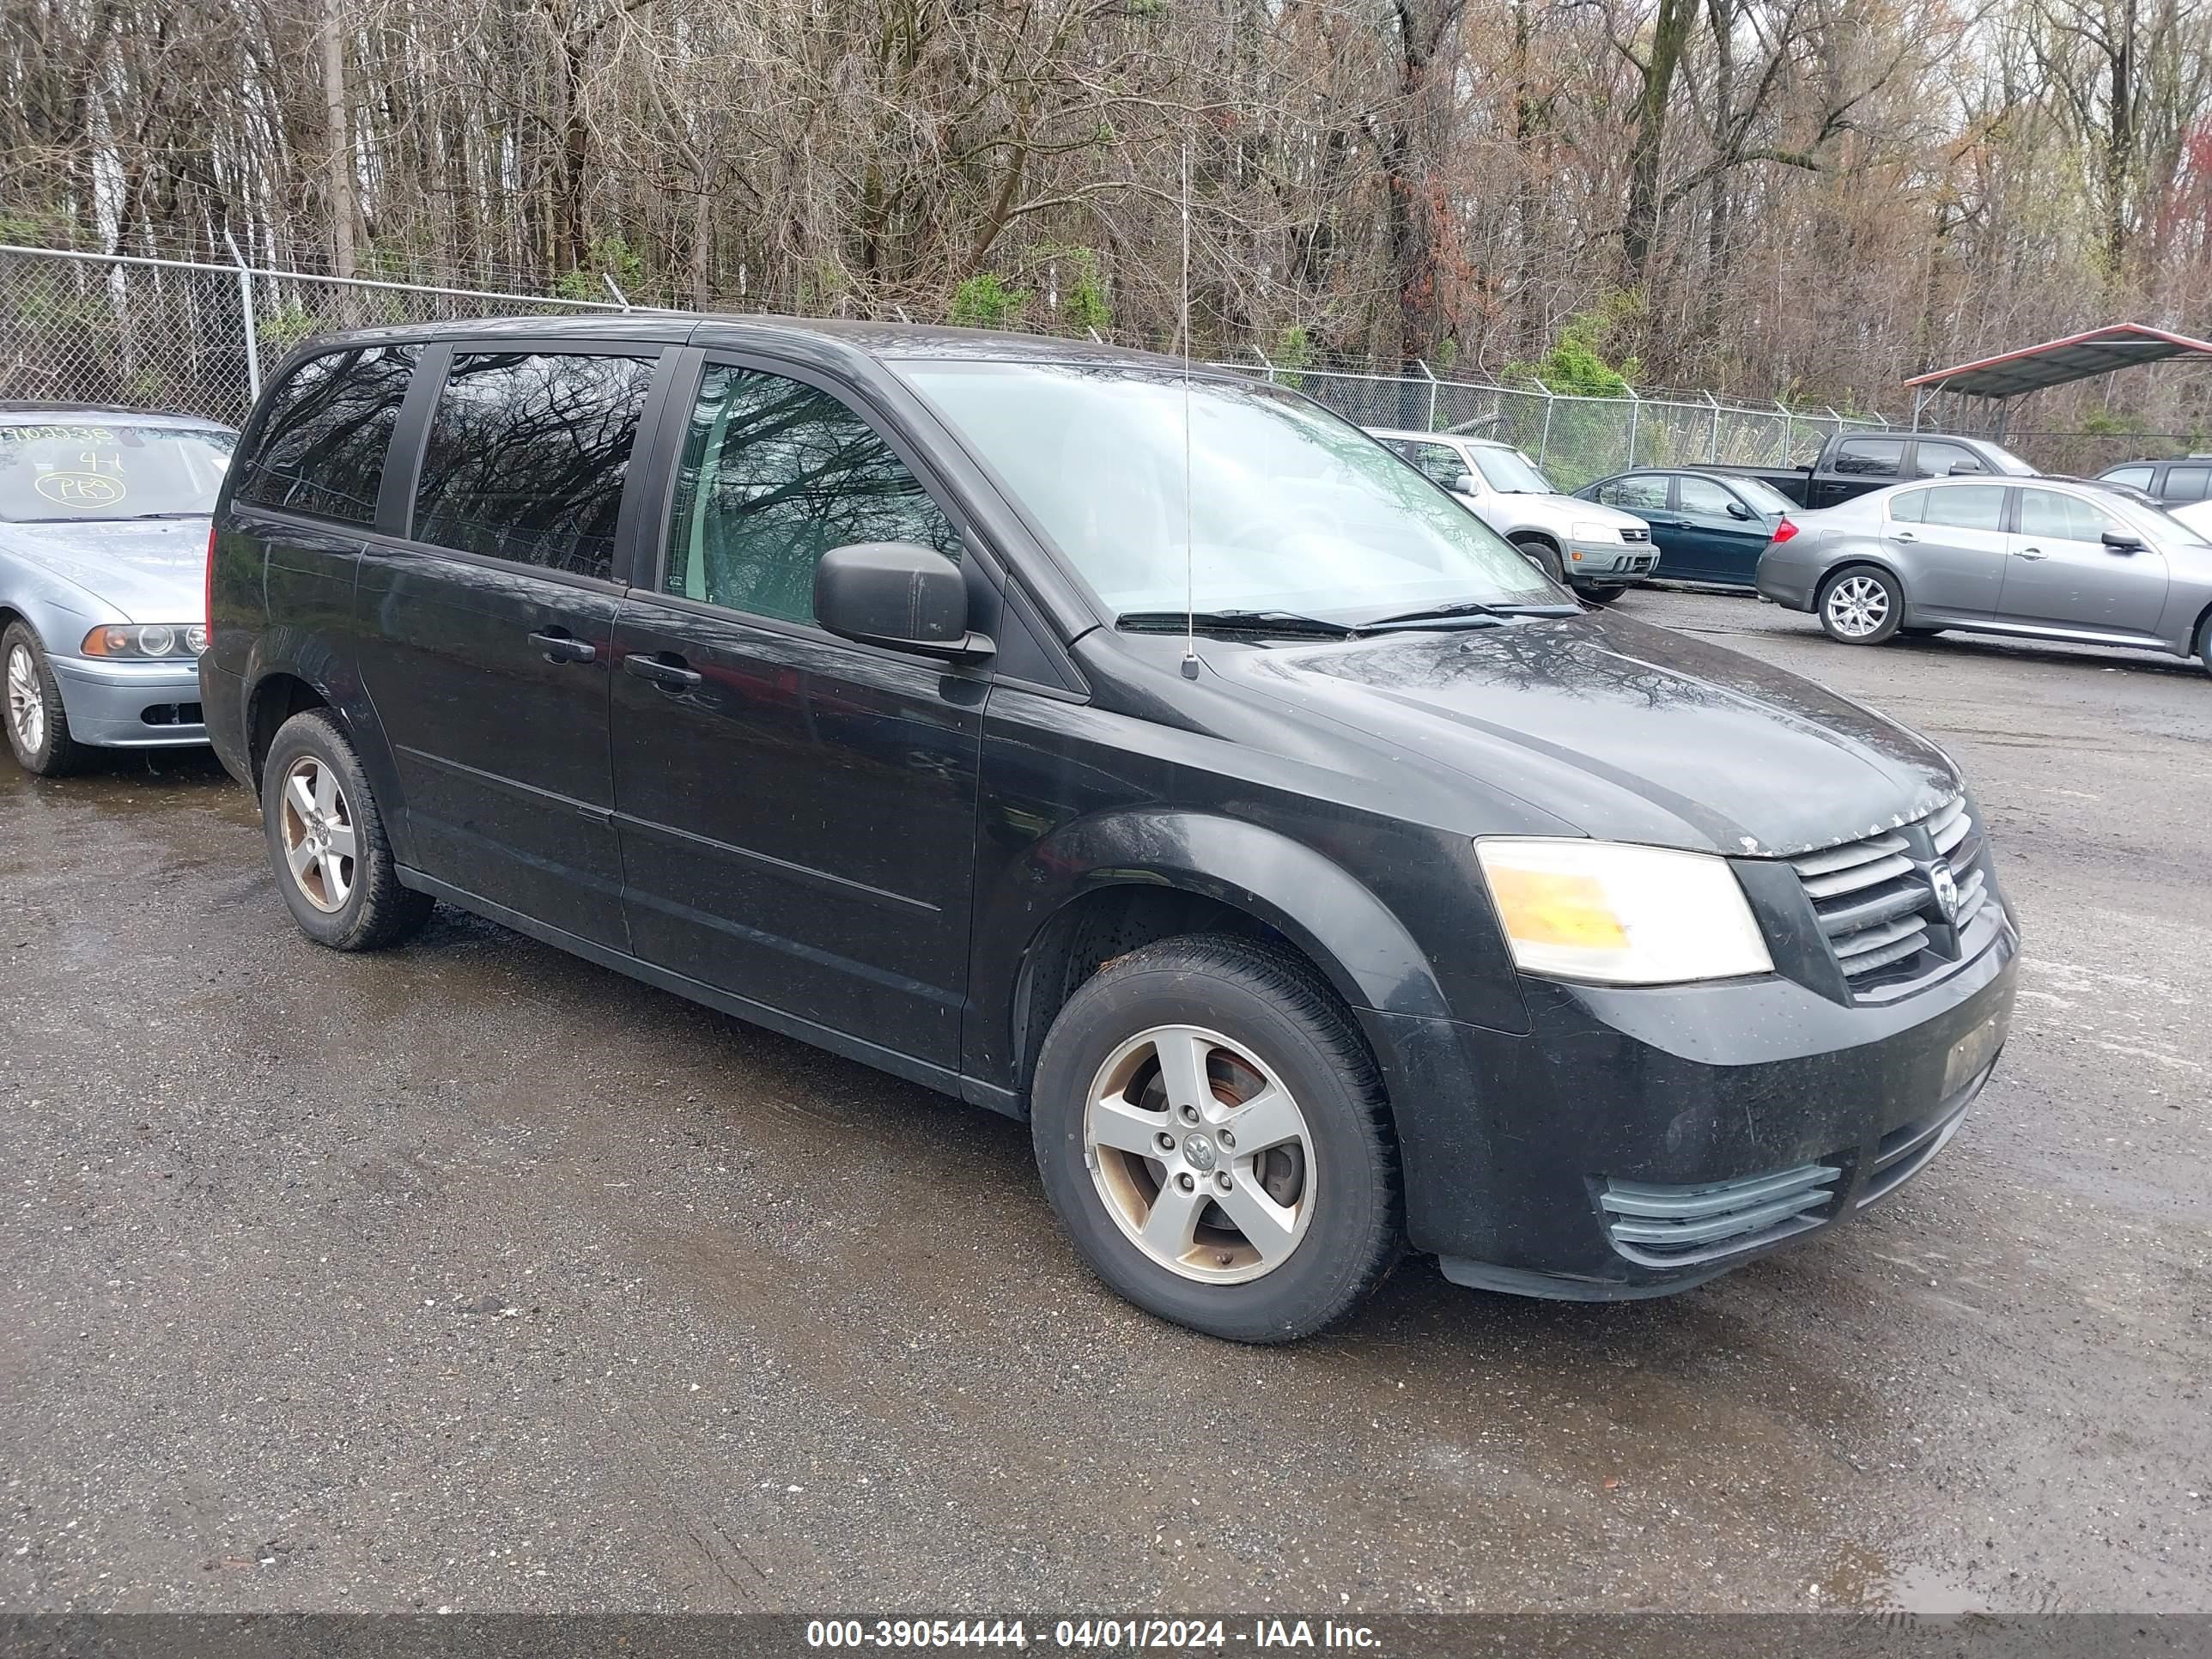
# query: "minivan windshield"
x,y
1508,471
1291,510
64,471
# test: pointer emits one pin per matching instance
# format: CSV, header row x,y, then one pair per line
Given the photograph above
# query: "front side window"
x,y
1967,506
1644,490
1290,507
1442,463
2067,518
2188,484
321,449
1870,458
527,454
774,474
1936,461
64,471
1706,498
2140,476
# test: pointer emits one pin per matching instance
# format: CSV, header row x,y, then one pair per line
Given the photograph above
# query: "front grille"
x,y
1635,535
1878,898
1680,1226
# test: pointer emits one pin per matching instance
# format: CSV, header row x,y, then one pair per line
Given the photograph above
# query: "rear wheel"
x,y
326,839
1211,1131
38,725
1862,606
1543,555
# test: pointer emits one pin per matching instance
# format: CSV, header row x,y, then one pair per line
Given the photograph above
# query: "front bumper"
x,y
131,705
1523,1154
1611,561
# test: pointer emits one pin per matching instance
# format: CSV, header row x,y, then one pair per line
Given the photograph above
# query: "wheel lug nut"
x,y
1227,1138
1190,1113
1166,1141
1221,1180
1185,1182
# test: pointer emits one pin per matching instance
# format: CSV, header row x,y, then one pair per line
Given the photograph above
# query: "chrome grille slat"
x,y
1869,939
1901,898
1947,826
1838,858
1857,876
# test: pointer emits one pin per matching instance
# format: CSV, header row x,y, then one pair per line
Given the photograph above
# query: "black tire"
x,y
373,910
1545,556
2204,644
56,754
1600,592
1266,1000
1858,626
1919,633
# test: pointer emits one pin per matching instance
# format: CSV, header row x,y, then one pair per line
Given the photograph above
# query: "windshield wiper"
x,y
1475,613
184,514
1232,622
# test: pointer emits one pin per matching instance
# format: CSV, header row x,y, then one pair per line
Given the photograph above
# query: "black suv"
x,y
1165,761
2176,483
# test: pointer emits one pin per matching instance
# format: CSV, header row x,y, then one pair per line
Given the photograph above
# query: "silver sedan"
x,y
103,561
2034,557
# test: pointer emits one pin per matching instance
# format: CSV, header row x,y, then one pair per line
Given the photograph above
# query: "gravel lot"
x,y
473,1276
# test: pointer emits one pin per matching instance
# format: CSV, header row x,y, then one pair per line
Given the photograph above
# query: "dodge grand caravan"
x,y
1316,877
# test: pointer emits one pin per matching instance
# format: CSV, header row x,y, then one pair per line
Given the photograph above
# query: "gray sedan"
x,y
104,518
2036,558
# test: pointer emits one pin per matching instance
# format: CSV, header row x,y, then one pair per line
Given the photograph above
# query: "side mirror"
x,y
1738,510
896,594
2119,541
1960,468
1464,484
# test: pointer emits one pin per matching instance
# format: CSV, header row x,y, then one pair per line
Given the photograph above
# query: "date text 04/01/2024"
x,y
1087,1634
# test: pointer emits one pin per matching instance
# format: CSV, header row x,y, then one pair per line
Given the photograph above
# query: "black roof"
x,y
838,336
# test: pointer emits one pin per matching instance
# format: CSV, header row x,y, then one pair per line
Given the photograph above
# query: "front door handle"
x,y
2030,553
667,672
559,645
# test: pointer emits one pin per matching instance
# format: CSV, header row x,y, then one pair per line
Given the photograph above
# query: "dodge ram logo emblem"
x,y
1946,891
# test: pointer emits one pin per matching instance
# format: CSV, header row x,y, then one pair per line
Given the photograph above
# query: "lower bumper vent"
x,y
1680,1226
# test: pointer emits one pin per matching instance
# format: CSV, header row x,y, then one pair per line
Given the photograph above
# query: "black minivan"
x,y
1161,760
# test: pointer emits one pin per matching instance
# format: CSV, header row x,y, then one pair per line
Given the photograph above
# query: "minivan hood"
x,y
1624,731
149,570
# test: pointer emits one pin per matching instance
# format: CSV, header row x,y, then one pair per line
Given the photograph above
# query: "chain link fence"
x,y
1574,438
192,338
195,336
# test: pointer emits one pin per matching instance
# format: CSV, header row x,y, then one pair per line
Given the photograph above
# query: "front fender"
x,y
1365,951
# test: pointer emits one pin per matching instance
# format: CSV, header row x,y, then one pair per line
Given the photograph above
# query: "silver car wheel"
x,y
1200,1154
26,700
320,842
1858,606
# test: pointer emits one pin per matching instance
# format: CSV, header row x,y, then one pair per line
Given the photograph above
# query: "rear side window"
x,y
1967,506
527,454
320,450
2067,518
1870,458
1908,505
2187,483
1643,490
774,474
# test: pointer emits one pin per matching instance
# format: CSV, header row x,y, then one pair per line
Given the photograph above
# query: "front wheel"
x,y
326,839
2204,645
1862,606
1212,1132
1600,592
38,725
1545,556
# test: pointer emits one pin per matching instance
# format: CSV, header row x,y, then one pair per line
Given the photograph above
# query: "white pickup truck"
x,y
1597,550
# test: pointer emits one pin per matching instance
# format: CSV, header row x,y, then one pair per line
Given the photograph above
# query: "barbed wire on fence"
x,y
195,336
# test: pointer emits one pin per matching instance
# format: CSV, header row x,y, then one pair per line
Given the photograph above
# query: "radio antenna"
x,y
1189,547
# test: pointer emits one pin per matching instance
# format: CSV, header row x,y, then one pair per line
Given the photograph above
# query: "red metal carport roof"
x,y
2121,345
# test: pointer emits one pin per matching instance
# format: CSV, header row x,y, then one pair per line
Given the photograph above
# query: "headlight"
x,y
184,640
1619,914
1595,532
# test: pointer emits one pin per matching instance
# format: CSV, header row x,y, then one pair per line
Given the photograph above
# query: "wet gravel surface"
x,y
473,1276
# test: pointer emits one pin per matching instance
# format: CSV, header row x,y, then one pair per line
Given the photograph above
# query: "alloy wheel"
x,y
321,843
26,700
1200,1154
1858,606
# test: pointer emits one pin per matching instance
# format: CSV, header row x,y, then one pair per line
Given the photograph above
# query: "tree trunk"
x,y
339,126
1639,230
